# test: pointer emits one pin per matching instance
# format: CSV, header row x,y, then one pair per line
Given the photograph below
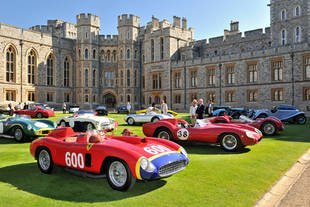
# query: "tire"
x,y
62,123
155,119
18,134
268,129
45,161
131,121
230,142
262,116
163,134
301,119
89,126
39,115
119,175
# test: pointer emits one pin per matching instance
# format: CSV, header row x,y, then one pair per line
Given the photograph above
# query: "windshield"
x,y
246,119
201,123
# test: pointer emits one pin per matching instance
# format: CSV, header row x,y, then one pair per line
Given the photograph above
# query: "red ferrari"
x,y
269,126
123,159
230,136
36,112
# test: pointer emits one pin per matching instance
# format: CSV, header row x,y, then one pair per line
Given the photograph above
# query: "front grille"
x,y
45,131
171,168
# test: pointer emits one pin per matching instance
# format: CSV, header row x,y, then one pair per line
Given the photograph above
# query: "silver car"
x,y
133,119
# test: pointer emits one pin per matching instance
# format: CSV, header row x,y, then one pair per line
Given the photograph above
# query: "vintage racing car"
x,y
36,112
23,128
132,119
268,126
85,122
143,111
122,159
285,113
230,136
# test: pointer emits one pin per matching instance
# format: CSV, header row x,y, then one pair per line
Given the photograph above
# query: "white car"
x,y
132,119
87,122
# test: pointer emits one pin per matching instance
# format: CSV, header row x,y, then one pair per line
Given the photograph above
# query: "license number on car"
x,y
74,160
156,149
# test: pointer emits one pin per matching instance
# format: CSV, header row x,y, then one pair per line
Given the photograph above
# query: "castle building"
x,y
73,63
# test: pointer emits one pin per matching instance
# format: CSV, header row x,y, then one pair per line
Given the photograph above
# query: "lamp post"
x,y
220,85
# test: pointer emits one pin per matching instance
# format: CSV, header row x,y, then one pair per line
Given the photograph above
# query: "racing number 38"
x,y
74,160
183,134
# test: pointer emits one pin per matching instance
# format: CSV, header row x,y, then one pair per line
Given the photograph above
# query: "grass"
x,y
213,177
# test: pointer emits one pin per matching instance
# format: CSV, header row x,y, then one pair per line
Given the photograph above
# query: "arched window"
x,y
10,64
86,79
102,55
297,35
128,54
161,48
283,14
122,78
121,54
297,11
50,70
283,37
108,56
86,53
66,72
114,56
128,78
152,50
94,78
32,66
94,54
128,98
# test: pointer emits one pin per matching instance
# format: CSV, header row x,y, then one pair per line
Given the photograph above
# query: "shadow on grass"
x,y
62,185
4,140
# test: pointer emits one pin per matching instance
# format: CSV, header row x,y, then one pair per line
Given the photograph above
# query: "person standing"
x,y
128,107
192,112
64,108
164,107
200,109
210,107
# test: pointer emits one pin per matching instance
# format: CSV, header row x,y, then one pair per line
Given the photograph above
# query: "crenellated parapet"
x,y
128,20
87,19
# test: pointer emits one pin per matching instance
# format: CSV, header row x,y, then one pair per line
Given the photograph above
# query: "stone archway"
x,y
109,100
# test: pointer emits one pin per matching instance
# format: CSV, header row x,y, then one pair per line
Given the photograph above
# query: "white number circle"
x,y
183,134
71,123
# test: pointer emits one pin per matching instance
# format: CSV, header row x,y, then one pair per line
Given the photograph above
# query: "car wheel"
x,y
18,134
45,161
163,134
62,123
301,119
119,175
269,128
155,119
130,121
39,115
262,116
89,126
230,142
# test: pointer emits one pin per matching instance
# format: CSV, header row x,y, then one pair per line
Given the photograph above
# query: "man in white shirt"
x,y
164,107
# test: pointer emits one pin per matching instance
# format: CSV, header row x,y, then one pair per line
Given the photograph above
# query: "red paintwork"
x,y
34,111
209,133
258,123
128,149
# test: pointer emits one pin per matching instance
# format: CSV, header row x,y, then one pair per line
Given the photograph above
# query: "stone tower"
x,y
289,22
129,59
87,70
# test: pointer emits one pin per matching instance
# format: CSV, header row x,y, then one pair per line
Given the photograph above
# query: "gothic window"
x,y
128,78
50,70
230,75
307,67
193,76
152,50
283,14
10,64
102,55
252,95
143,82
177,99
128,98
94,78
277,94
86,99
32,66
49,97
79,53
252,73
128,54
86,53
297,11
177,80
122,78
135,55
108,56
229,96
94,54
211,76
156,81
114,56
283,37
66,72
161,48
121,54
211,96
135,78
10,95
277,70
86,78
30,96
297,34
306,94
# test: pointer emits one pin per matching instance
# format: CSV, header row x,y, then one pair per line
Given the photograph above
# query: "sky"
x,y
209,18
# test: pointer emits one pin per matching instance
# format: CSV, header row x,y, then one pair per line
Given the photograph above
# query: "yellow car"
x,y
143,111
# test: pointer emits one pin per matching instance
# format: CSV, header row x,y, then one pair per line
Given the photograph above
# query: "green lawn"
x,y
213,177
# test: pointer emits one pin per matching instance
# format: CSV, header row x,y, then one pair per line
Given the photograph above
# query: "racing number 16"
x,y
74,160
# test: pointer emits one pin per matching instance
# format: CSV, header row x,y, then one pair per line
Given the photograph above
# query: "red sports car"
x,y
269,126
36,112
123,159
230,136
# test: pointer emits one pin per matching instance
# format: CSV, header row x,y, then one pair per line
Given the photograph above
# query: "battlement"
x,y
128,20
108,39
42,28
87,19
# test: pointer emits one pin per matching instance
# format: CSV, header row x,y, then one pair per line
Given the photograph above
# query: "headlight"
x,y
147,165
183,151
258,131
29,127
250,134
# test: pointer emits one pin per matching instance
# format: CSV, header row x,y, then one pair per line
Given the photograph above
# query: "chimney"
x,y
176,21
234,26
184,23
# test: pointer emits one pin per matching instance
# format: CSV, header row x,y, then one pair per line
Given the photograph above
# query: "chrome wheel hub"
x,y
118,173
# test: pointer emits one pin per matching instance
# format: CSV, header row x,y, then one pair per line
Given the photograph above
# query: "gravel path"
x,y
299,194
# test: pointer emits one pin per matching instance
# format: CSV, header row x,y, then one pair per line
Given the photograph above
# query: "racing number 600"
x,y
74,160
